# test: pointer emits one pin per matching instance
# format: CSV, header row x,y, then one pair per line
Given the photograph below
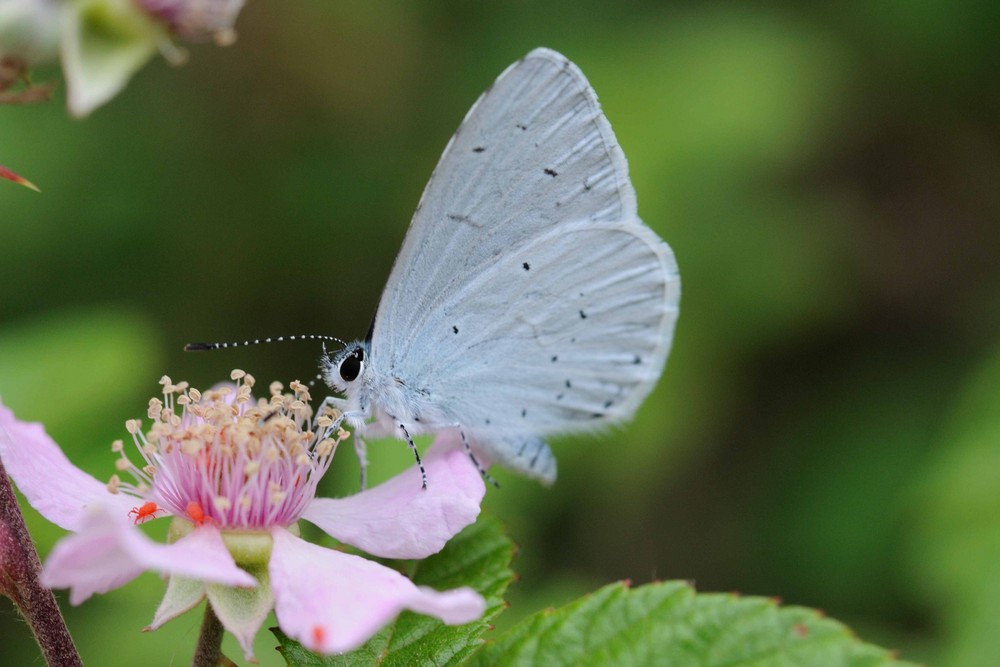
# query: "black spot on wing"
x,y
538,452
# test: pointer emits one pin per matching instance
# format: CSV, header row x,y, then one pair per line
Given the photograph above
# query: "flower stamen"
x,y
223,457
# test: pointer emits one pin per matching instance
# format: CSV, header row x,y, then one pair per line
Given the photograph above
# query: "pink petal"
x,y
399,519
60,491
108,553
333,602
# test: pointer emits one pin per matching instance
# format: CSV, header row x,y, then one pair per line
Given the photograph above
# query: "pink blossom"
x,y
236,475
197,19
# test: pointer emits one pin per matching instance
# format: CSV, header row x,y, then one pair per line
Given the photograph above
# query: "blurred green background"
x,y
828,427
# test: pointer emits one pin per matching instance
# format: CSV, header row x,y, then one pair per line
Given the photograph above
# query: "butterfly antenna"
x,y
192,347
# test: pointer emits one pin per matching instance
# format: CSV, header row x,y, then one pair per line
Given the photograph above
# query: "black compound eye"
x,y
350,367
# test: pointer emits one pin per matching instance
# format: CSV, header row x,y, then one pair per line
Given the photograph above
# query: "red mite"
x,y
196,513
147,511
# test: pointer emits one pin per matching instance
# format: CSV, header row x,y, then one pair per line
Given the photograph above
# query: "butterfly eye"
x,y
350,367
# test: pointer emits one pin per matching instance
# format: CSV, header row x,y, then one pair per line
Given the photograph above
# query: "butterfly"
x,y
528,299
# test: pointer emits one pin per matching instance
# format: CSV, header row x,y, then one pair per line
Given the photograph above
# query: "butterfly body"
x,y
528,300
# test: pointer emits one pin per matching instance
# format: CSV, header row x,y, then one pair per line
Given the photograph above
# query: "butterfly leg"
x,y
416,455
362,452
360,449
475,461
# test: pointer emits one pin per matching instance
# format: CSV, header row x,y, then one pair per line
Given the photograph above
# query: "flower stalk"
x,y
19,568
209,650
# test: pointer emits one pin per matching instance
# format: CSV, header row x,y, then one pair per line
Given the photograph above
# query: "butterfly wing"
x,y
528,298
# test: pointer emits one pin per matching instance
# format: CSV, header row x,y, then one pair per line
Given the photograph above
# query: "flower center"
x,y
225,459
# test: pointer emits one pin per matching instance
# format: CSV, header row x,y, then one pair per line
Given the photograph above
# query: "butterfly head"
x,y
342,368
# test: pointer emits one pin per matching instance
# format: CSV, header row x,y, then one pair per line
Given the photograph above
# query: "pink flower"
x,y
197,19
236,476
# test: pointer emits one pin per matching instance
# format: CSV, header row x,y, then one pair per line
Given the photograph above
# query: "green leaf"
x,y
478,557
669,624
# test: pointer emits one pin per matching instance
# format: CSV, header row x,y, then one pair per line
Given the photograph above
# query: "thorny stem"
x,y
19,567
209,651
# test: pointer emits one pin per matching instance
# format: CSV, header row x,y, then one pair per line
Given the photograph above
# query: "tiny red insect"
x,y
147,511
196,513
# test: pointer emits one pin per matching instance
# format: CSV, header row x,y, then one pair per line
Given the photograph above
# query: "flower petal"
x,y
107,553
60,491
399,519
333,602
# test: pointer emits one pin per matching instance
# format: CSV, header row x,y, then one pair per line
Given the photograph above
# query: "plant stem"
x,y
209,650
19,567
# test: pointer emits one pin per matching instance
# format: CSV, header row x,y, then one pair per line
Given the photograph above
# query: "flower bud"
x,y
29,31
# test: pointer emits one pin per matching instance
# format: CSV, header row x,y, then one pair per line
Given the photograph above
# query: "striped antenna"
x,y
192,347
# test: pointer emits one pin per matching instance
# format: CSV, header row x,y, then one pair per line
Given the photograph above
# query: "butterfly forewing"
x,y
534,151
